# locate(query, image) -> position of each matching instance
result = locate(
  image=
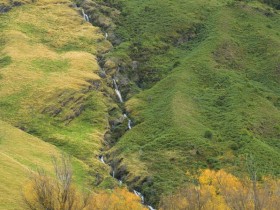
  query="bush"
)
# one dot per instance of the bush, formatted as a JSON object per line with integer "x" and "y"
{"x": 208, "y": 134}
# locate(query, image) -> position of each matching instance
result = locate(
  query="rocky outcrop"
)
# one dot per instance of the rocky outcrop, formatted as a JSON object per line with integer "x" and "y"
{"x": 6, "y": 7}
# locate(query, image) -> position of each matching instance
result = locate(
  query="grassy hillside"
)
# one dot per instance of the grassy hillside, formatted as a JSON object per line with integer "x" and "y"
{"x": 49, "y": 82}
{"x": 201, "y": 81}
{"x": 21, "y": 153}
{"x": 218, "y": 96}
{"x": 50, "y": 88}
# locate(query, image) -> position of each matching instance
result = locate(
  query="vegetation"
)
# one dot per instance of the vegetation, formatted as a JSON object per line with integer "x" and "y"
{"x": 50, "y": 87}
{"x": 20, "y": 154}
{"x": 201, "y": 84}
{"x": 51, "y": 90}
{"x": 208, "y": 89}
{"x": 220, "y": 190}
{"x": 45, "y": 192}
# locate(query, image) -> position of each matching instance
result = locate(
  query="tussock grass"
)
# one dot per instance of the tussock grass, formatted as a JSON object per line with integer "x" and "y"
{"x": 50, "y": 87}
{"x": 20, "y": 154}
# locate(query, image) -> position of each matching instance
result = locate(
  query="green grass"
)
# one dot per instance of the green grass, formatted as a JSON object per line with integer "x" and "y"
{"x": 207, "y": 87}
{"x": 5, "y": 61}
{"x": 50, "y": 65}
{"x": 52, "y": 91}
{"x": 205, "y": 67}
{"x": 21, "y": 153}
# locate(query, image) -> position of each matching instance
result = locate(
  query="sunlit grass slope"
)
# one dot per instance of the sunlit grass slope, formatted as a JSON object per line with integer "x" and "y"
{"x": 20, "y": 154}
{"x": 49, "y": 83}
{"x": 219, "y": 97}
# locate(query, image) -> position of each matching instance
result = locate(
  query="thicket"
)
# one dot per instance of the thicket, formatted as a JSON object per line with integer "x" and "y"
{"x": 44, "y": 192}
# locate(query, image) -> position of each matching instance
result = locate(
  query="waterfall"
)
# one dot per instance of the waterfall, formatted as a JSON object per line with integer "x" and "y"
{"x": 85, "y": 16}
{"x": 117, "y": 91}
{"x": 102, "y": 159}
{"x": 139, "y": 195}
{"x": 129, "y": 124}
{"x": 119, "y": 95}
{"x": 115, "y": 84}
{"x": 129, "y": 121}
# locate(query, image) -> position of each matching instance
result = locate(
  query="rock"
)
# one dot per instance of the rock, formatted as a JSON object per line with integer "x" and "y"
{"x": 108, "y": 137}
{"x": 134, "y": 65}
{"x": 115, "y": 122}
{"x": 17, "y": 3}
{"x": 4, "y": 8}
{"x": 122, "y": 171}
{"x": 102, "y": 74}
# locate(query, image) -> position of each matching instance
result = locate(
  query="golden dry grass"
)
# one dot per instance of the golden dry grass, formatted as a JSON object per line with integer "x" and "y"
{"x": 58, "y": 25}
{"x": 52, "y": 49}
{"x": 19, "y": 154}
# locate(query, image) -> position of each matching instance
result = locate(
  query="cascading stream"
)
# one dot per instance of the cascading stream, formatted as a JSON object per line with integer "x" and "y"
{"x": 151, "y": 208}
{"x": 86, "y": 18}
{"x": 129, "y": 124}
{"x": 139, "y": 195}
{"x": 102, "y": 159}
{"x": 118, "y": 93}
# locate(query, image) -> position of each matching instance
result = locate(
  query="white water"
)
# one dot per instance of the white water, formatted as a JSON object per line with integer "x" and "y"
{"x": 102, "y": 159}
{"x": 129, "y": 124}
{"x": 139, "y": 195}
{"x": 85, "y": 16}
{"x": 151, "y": 208}
{"x": 117, "y": 91}
{"x": 119, "y": 95}
{"x": 115, "y": 84}
{"x": 135, "y": 192}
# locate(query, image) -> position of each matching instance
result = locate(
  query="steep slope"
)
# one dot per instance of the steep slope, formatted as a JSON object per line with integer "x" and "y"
{"x": 200, "y": 81}
{"x": 21, "y": 153}
{"x": 49, "y": 78}
{"x": 217, "y": 99}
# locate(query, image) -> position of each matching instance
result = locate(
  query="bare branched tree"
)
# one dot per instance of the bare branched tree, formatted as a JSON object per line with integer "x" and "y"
{"x": 253, "y": 173}
{"x": 53, "y": 193}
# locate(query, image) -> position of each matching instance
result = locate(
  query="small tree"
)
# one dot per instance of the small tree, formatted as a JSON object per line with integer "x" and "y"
{"x": 44, "y": 192}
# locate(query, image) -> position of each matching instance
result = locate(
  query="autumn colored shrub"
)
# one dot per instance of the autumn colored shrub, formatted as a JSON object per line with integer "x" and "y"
{"x": 221, "y": 190}
{"x": 44, "y": 192}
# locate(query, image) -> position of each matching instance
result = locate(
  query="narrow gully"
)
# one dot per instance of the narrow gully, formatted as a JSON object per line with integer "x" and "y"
{"x": 129, "y": 125}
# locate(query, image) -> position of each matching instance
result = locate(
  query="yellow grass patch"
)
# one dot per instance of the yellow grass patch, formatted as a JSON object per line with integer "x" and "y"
{"x": 19, "y": 154}
{"x": 51, "y": 49}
